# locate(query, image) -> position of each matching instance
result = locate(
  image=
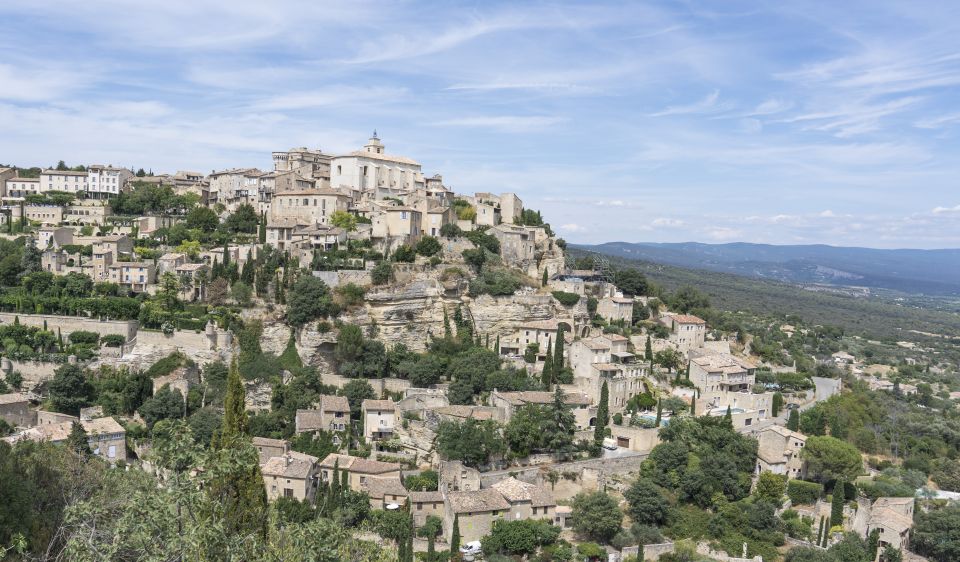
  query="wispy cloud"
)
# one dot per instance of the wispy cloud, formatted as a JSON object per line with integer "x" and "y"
{"x": 708, "y": 104}
{"x": 938, "y": 121}
{"x": 515, "y": 123}
{"x": 946, "y": 210}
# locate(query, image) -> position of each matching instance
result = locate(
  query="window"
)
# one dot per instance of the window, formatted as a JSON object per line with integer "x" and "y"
{"x": 112, "y": 451}
{"x": 287, "y": 493}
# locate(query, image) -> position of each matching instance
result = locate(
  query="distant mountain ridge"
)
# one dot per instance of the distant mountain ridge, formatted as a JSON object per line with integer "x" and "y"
{"x": 934, "y": 272}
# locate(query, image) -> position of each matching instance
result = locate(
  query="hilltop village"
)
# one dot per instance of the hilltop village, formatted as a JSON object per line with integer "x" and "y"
{"x": 343, "y": 358}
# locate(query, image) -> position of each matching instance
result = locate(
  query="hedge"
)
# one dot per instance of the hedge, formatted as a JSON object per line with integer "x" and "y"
{"x": 565, "y": 298}
{"x": 803, "y": 492}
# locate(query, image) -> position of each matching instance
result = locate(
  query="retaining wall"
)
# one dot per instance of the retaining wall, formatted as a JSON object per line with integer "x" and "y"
{"x": 67, "y": 324}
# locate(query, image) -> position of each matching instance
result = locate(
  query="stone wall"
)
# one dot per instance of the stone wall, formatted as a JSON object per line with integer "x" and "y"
{"x": 67, "y": 324}
{"x": 534, "y": 474}
{"x": 342, "y": 277}
{"x": 34, "y": 373}
{"x": 183, "y": 340}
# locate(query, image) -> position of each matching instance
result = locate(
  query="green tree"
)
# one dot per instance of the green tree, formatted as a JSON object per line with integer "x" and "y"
{"x": 771, "y": 487}
{"x": 596, "y": 516}
{"x": 356, "y": 392}
{"x": 836, "y": 505}
{"x": 558, "y": 359}
{"x": 235, "y": 481}
{"x": 473, "y": 442}
{"x": 166, "y": 404}
{"x": 936, "y": 533}
{"x": 344, "y": 220}
{"x": 70, "y": 390}
{"x": 647, "y": 505}
{"x": 309, "y": 299}
{"x": 648, "y": 350}
{"x": 777, "y": 404}
{"x": 428, "y": 246}
{"x": 793, "y": 421}
{"x": 603, "y": 415}
{"x": 77, "y": 440}
{"x": 290, "y": 358}
{"x": 455, "y": 538}
{"x": 829, "y": 458}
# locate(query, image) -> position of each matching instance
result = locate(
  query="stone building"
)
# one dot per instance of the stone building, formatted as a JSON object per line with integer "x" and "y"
{"x": 779, "y": 452}
{"x": 509, "y": 499}
{"x": 291, "y": 475}
{"x": 358, "y": 469}
{"x": 373, "y": 170}
{"x": 686, "y": 330}
{"x": 379, "y": 419}
{"x": 332, "y": 413}
{"x": 15, "y": 410}
{"x": 605, "y": 359}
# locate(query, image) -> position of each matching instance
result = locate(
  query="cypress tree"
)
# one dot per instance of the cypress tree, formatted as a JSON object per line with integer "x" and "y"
{"x": 546, "y": 377}
{"x": 793, "y": 421}
{"x": 486, "y": 343}
{"x": 263, "y": 227}
{"x": 497, "y": 345}
{"x": 728, "y": 417}
{"x": 543, "y": 283}
{"x": 447, "y": 332}
{"x": 820, "y": 540}
{"x": 603, "y": 415}
{"x": 236, "y": 484}
{"x": 226, "y": 254}
{"x": 335, "y": 485}
{"x": 659, "y": 412}
{"x": 344, "y": 484}
{"x": 693, "y": 405}
{"x": 648, "y": 350}
{"x": 77, "y": 440}
{"x": 777, "y": 404}
{"x": 455, "y": 539}
{"x": 836, "y": 507}
{"x": 688, "y": 371}
{"x": 558, "y": 361}
{"x": 431, "y": 548}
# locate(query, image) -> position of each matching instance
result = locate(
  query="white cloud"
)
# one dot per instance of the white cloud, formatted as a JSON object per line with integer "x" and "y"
{"x": 667, "y": 223}
{"x": 515, "y": 123}
{"x": 329, "y": 96}
{"x": 827, "y": 214}
{"x": 937, "y": 122}
{"x": 946, "y": 210}
{"x": 572, "y": 228}
{"x": 706, "y": 105}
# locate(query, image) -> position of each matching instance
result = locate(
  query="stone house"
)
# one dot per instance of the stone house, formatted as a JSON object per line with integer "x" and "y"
{"x": 541, "y": 332}
{"x": 292, "y": 475}
{"x": 425, "y": 504}
{"x": 720, "y": 373}
{"x": 457, "y": 477}
{"x": 15, "y": 410}
{"x": 169, "y": 262}
{"x": 510, "y": 401}
{"x": 359, "y": 469}
{"x": 384, "y": 491}
{"x": 509, "y": 499}
{"x": 617, "y": 308}
{"x": 379, "y": 418}
{"x": 134, "y": 275}
{"x": 779, "y": 452}
{"x": 332, "y": 413}
{"x": 309, "y": 206}
{"x": 894, "y": 518}
{"x": 53, "y": 237}
{"x": 373, "y": 170}
{"x": 268, "y": 448}
{"x": 517, "y": 245}
{"x": 399, "y": 222}
{"x": 605, "y": 359}
{"x": 105, "y": 436}
{"x": 436, "y": 218}
{"x": 686, "y": 331}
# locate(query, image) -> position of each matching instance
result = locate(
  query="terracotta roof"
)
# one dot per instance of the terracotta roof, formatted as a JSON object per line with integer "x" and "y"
{"x": 359, "y": 465}
{"x": 477, "y": 501}
{"x": 516, "y": 491}
{"x": 331, "y": 403}
{"x": 722, "y": 362}
{"x": 378, "y": 405}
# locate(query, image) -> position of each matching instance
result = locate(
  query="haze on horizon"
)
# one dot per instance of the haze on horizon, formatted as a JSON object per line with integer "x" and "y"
{"x": 783, "y": 123}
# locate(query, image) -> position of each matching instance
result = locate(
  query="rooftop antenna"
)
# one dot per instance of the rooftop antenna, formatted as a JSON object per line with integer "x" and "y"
{"x": 374, "y": 133}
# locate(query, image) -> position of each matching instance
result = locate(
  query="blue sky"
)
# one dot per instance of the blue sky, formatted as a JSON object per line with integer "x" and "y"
{"x": 779, "y": 122}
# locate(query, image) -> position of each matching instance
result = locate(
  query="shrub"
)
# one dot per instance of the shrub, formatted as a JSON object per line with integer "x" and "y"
{"x": 484, "y": 241}
{"x": 350, "y": 294}
{"x": 803, "y": 492}
{"x": 381, "y": 273}
{"x": 495, "y": 282}
{"x": 565, "y": 298}
{"x": 428, "y": 246}
{"x": 113, "y": 340}
{"x": 404, "y": 254}
{"x": 450, "y": 230}
{"x": 84, "y": 337}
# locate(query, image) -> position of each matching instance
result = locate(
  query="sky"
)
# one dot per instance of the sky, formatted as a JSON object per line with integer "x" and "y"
{"x": 775, "y": 122}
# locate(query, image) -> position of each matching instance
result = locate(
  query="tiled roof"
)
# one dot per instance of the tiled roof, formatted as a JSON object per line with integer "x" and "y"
{"x": 688, "y": 319}
{"x": 13, "y": 398}
{"x": 331, "y": 403}
{"x": 543, "y": 397}
{"x": 380, "y": 486}
{"x": 290, "y": 465}
{"x": 383, "y": 157}
{"x": 477, "y": 501}
{"x": 722, "y": 362}
{"x": 102, "y": 425}
{"x": 359, "y": 465}
{"x": 516, "y": 491}
{"x": 426, "y": 497}
{"x": 379, "y": 405}
{"x": 267, "y": 442}
{"x": 480, "y": 413}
